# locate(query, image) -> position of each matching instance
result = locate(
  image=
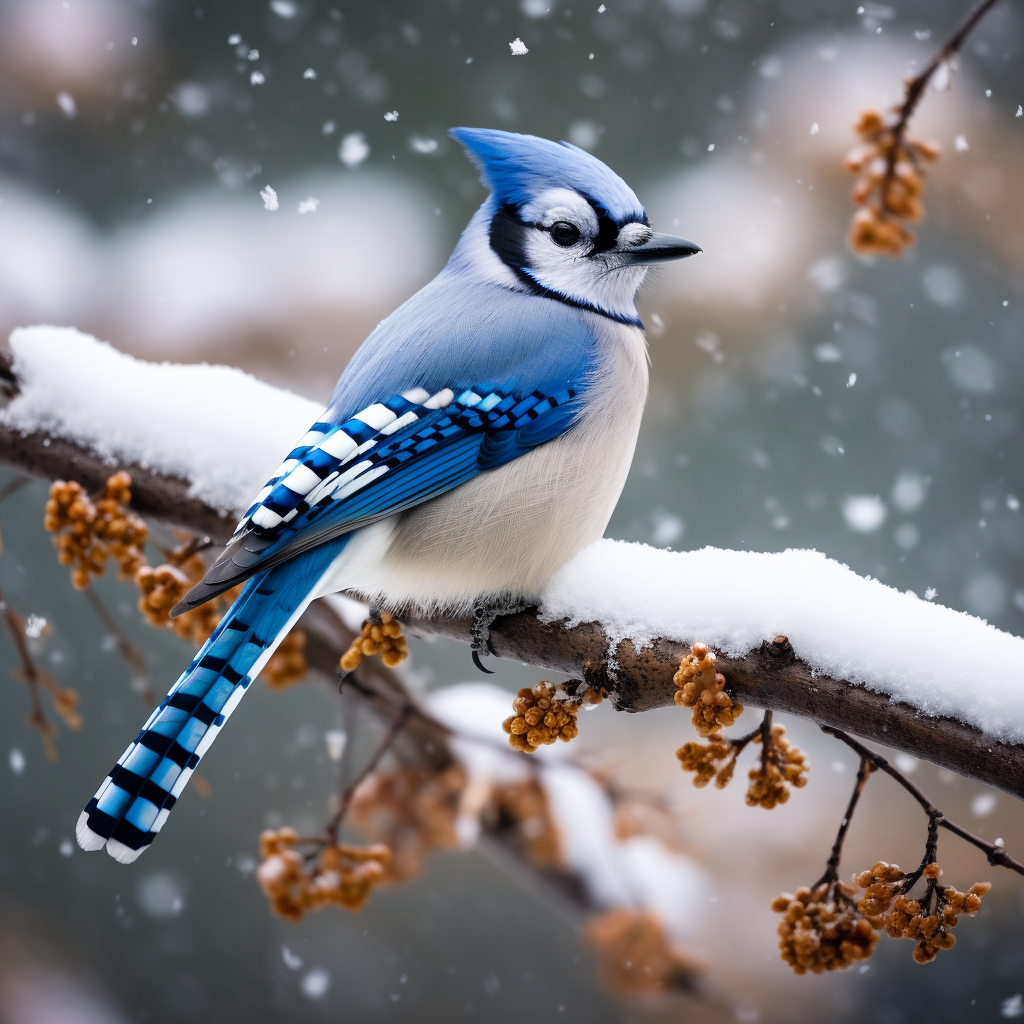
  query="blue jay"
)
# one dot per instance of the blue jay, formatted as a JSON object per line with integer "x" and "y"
{"x": 478, "y": 439}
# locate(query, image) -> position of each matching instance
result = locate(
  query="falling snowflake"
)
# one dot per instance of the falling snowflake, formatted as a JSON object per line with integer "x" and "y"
{"x": 309, "y": 205}
{"x": 518, "y": 47}
{"x": 353, "y": 149}
{"x": 418, "y": 144}
{"x": 66, "y": 102}
{"x": 269, "y": 197}
{"x": 1020, "y": 111}
{"x": 391, "y": 115}
{"x": 309, "y": 73}
{"x": 284, "y": 8}
{"x": 814, "y": 128}
{"x": 960, "y": 144}
{"x": 257, "y": 78}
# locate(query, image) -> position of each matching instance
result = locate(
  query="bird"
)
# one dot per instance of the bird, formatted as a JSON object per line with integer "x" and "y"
{"x": 476, "y": 441}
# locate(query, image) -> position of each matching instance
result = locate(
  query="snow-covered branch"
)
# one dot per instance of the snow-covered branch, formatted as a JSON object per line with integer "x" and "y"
{"x": 794, "y": 631}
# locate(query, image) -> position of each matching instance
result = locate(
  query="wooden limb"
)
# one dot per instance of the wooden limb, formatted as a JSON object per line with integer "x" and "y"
{"x": 770, "y": 677}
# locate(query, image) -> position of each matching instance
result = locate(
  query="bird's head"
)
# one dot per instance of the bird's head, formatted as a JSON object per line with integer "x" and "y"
{"x": 560, "y": 223}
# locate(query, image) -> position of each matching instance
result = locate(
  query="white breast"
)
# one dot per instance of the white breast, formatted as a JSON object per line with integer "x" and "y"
{"x": 509, "y": 530}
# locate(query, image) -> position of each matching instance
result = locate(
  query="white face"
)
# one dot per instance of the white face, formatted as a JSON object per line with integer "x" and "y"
{"x": 565, "y": 251}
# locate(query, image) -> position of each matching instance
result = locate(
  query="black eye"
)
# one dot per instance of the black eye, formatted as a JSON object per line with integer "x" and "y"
{"x": 564, "y": 233}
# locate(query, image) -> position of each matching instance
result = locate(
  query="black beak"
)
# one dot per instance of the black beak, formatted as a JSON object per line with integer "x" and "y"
{"x": 659, "y": 249}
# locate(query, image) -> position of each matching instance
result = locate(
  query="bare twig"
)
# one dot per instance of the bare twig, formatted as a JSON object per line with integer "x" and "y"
{"x": 31, "y": 675}
{"x": 346, "y": 798}
{"x": 832, "y": 867}
{"x": 135, "y": 659}
{"x": 12, "y": 486}
{"x": 997, "y": 855}
{"x": 917, "y": 85}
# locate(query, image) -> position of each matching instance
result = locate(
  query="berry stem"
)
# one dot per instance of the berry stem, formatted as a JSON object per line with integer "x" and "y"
{"x": 997, "y": 855}
{"x": 766, "y": 739}
{"x": 346, "y": 798}
{"x": 832, "y": 867}
{"x": 916, "y": 87}
{"x": 37, "y": 719}
{"x": 131, "y": 654}
{"x": 764, "y": 730}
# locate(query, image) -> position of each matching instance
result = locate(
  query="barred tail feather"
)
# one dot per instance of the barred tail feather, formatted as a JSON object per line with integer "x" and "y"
{"x": 136, "y": 797}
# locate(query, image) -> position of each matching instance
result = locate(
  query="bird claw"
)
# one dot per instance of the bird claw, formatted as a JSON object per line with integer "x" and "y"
{"x": 484, "y": 616}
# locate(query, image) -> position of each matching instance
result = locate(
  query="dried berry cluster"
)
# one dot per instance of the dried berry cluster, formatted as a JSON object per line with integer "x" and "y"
{"x": 822, "y": 930}
{"x": 413, "y": 811}
{"x": 890, "y": 186}
{"x": 702, "y": 688}
{"x": 339, "y": 875}
{"x": 637, "y": 958}
{"x": 542, "y": 715}
{"x": 714, "y": 760}
{"x": 383, "y": 638}
{"x": 91, "y": 531}
{"x": 163, "y": 586}
{"x": 825, "y": 930}
{"x": 928, "y": 920}
{"x": 781, "y": 765}
{"x": 524, "y": 806}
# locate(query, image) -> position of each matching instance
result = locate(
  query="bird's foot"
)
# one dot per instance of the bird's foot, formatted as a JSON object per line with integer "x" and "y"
{"x": 484, "y": 616}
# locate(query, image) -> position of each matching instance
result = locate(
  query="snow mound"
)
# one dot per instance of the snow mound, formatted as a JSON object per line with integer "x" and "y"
{"x": 216, "y": 426}
{"x": 942, "y": 661}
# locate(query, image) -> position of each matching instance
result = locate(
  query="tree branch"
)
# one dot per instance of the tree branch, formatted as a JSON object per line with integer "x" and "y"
{"x": 771, "y": 677}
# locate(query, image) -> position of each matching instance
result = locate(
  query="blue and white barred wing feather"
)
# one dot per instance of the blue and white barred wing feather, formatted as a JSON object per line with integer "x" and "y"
{"x": 391, "y": 456}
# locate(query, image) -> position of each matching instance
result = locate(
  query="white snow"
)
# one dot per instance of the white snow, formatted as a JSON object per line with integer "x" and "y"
{"x": 864, "y": 513}
{"x": 353, "y": 149}
{"x": 221, "y": 428}
{"x": 269, "y": 197}
{"x": 518, "y": 47}
{"x": 67, "y": 104}
{"x": 942, "y": 661}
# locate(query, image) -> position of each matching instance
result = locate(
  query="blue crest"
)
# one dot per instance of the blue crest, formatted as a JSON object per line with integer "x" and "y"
{"x": 517, "y": 168}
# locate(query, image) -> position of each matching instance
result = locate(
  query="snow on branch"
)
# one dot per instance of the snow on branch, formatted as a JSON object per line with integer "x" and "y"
{"x": 794, "y": 631}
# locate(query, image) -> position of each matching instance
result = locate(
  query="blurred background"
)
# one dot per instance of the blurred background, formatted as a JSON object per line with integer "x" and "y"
{"x": 800, "y": 397}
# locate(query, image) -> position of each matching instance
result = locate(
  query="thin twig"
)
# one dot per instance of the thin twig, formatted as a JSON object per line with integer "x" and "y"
{"x": 131, "y": 654}
{"x": 766, "y": 739}
{"x": 37, "y": 719}
{"x": 832, "y": 867}
{"x": 385, "y": 745}
{"x": 997, "y": 855}
{"x": 917, "y": 85}
{"x": 13, "y": 485}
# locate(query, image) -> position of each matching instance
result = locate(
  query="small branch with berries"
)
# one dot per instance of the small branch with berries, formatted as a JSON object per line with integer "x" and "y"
{"x": 891, "y": 164}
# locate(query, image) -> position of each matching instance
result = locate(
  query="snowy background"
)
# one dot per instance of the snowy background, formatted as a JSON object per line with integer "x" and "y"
{"x": 800, "y": 398}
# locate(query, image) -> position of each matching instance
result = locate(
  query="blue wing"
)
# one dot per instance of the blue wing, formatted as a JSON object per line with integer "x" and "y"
{"x": 390, "y": 457}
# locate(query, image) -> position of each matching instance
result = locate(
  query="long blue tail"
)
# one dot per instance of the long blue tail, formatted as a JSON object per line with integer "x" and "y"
{"x": 137, "y": 796}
